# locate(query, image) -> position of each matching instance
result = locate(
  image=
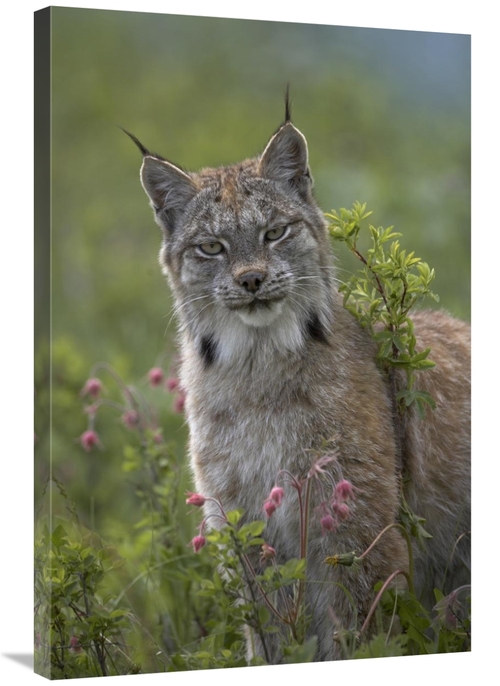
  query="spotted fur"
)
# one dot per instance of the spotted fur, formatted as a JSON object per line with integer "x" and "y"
{"x": 274, "y": 373}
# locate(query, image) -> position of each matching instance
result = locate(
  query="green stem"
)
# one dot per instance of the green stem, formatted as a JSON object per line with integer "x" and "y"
{"x": 304, "y": 525}
{"x": 248, "y": 566}
{"x": 380, "y": 594}
{"x": 395, "y": 525}
{"x": 244, "y": 563}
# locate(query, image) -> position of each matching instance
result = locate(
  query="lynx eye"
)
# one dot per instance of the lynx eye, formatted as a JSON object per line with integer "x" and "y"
{"x": 274, "y": 234}
{"x": 211, "y": 248}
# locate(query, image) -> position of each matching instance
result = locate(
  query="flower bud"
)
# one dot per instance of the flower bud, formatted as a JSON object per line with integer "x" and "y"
{"x": 158, "y": 436}
{"x": 92, "y": 387}
{"x": 155, "y": 376}
{"x": 195, "y": 499}
{"x": 346, "y": 559}
{"x": 91, "y": 410}
{"x": 327, "y": 524}
{"x": 131, "y": 419}
{"x": 268, "y": 552}
{"x": 343, "y": 490}
{"x": 277, "y": 495}
{"x": 89, "y": 439}
{"x": 341, "y": 510}
{"x": 74, "y": 645}
{"x": 269, "y": 507}
{"x": 180, "y": 403}
{"x": 171, "y": 384}
{"x": 198, "y": 542}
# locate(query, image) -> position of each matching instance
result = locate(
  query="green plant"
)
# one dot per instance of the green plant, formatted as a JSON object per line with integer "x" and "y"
{"x": 381, "y": 295}
{"x": 147, "y": 603}
{"x": 79, "y": 629}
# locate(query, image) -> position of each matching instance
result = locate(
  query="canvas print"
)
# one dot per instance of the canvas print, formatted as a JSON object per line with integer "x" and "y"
{"x": 252, "y": 355}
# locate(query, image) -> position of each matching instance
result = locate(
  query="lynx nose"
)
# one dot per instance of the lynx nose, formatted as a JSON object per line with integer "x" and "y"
{"x": 251, "y": 281}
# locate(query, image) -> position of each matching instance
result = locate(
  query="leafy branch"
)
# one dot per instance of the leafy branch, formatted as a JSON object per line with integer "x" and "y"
{"x": 382, "y": 293}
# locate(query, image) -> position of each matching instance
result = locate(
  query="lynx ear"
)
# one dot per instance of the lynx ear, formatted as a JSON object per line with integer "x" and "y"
{"x": 285, "y": 160}
{"x": 168, "y": 187}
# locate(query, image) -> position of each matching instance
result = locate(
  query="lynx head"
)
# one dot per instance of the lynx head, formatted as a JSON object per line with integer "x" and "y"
{"x": 245, "y": 249}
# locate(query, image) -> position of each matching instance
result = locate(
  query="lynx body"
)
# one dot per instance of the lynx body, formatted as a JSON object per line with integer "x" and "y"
{"x": 274, "y": 368}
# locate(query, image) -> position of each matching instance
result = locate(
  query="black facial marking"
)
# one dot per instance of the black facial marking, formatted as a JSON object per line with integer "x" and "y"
{"x": 315, "y": 329}
{"x": 208, "y": 350}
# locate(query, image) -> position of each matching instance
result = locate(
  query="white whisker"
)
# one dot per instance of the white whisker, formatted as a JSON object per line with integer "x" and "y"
{"x": 178, "y": 307}
{"x": 187, "y": 323}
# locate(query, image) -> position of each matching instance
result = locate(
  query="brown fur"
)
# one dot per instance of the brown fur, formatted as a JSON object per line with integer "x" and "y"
{"x": 273, "y": 375}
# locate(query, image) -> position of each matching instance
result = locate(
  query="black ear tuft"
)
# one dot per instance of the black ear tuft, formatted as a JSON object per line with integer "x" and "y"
{"x": 288, "y": 105}
{"x": 145, "y": 152}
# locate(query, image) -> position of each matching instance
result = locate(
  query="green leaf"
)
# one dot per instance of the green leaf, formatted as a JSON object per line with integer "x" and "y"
{"x": 263, "y": 615}
{"x": 426, "y": 397}
{"x": 302, "y": 653}
{"x": 254, "y": 528}
{"x": 421, "y": 356}
{"x": 399, "y": 343}
{"x": 423, "y": 364}
{"x": 381, "y": 646}
{"x": 234, "y": 516}
{"x": 58, "y": 537}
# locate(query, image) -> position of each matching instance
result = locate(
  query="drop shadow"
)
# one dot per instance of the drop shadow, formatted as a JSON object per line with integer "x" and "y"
{"x": 25, "y": 659}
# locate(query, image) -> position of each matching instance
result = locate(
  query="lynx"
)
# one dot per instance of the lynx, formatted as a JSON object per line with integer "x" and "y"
{"x": 274, "y": 368}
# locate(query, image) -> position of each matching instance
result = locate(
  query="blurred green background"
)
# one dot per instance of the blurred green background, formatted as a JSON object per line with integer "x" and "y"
{"x": 387, "y": 117}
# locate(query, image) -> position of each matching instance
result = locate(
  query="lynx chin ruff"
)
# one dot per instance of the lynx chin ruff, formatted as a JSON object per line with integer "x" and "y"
{"x": 273, "y": 367}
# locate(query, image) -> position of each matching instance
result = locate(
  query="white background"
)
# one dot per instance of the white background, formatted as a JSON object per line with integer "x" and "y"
{"x": 16, "y": 332}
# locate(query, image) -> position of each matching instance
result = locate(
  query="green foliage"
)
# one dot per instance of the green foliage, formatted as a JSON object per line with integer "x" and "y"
{"x": 220, "y": 105}
{"x": 382, "y": 646}
{"x": 147, "y": 602}
{"x": 262, "y": 594}
{"x": 382, "y": 293}
{"x": 413, "y": 524}
{"x": 80, "y": 630}
{"x": 419, "y": 632}
{"x": 132, "y": 491}
{"x": 381, "y": 296}
{"x": 108, "y": 296}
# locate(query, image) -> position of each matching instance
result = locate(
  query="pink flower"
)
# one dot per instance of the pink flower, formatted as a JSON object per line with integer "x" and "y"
{"x": 92, "y": 387}
{"x": 91, "y": 410}
{"x": 341, "y": 510}
{"x": 276, "y": 495}
{"x": 268, "y": 552}
{"x": 318, "y": 466}
{"x": 131, "y": 419}
{"x": 155, "y": 376}
{"x": 89, "y": 439}
{"x": 195, "y": 499}
{"x": 198, "y": 542}
{"x": 269, "y": 507}
{"x": 180, "y": 403}
{"x": 343, "y": 490}
{"x": 171, "y": 384}
{"x": 157, "y": 436}
{"x": 75, "y": 645}
{"x": 327, "y": 524}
